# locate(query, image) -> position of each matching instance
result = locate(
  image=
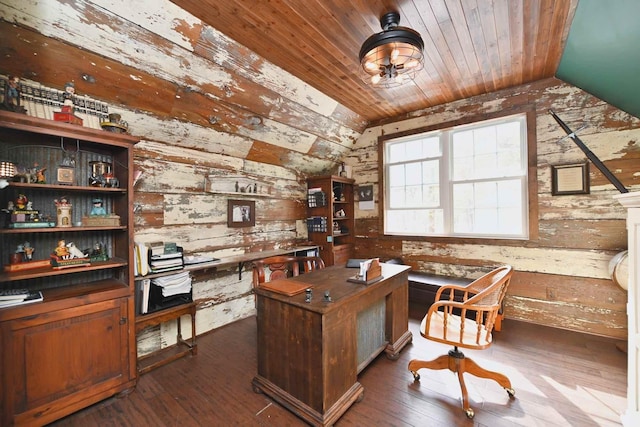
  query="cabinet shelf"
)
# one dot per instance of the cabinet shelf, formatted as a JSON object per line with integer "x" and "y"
{"x": 61, "y": 229}
{"x": 49, "y": 271}
{"x": 67, "y": 188}
{"x": 336, "y": 247}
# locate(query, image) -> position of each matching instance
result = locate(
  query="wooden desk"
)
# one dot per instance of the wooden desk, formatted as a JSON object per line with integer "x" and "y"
{"x": 310, "y": 354}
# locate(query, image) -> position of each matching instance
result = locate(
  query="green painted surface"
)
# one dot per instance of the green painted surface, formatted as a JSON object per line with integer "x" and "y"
{"x": 602, "y": 53}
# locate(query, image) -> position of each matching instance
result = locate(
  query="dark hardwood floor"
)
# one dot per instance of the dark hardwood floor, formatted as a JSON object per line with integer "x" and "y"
{"x": 561, "y": 378}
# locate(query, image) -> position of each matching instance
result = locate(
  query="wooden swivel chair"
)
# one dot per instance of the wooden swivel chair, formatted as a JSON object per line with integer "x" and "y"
{"x": 449, "y": 322}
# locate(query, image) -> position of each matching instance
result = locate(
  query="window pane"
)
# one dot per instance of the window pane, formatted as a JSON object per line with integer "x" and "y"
{"x": 396, "y": 176}
{"x": 413, "y": 173}
{"x": 431, "y": 172}
{"x": 431, "y": 196}
{"x": 414, "y": 196}
{"x": 412, "y": 222}
{"x": 397, "y": 198}
{"x": 396, "y": 152}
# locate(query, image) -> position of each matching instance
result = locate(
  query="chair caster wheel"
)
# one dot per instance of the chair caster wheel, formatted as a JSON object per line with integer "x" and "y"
{"x": 511, "y": 392}
{"x": 416, "y": 376}
{"x": 469, "y": 413}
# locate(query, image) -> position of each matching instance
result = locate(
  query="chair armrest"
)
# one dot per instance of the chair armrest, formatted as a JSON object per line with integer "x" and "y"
{"x": 452, "y": 289}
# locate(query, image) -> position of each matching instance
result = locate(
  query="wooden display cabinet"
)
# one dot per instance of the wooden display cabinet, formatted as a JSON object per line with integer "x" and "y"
{"x": 77, "y": 346}
{"x": 330, "y": 219}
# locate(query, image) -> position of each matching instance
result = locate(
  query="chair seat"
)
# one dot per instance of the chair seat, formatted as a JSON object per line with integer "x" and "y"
{"x": 436, "y": 331}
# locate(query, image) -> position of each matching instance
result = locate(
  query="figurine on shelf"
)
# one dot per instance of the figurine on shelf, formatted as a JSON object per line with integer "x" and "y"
{"x": 69, "y": 93}
{"x": 39, "y": 173}
{"x": 98, "y": 209}
{"x": 63, "y": 212}
{"x": 98, "y": 253}
{"x": 21, "y": 202}
{"x": 11, "y": 100}
{"x": 28, "y": 251}
{"x": 61, "y": 250}
{"x": 63, "y": 201}
{"x": 74, "y": 252}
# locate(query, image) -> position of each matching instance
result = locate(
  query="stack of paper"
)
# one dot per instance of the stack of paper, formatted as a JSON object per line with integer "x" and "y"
{"x": 174, "y": 284}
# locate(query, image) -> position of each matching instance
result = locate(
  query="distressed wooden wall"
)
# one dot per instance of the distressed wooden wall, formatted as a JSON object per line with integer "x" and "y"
{"x": 202, "y": 104}
{"x": 561, "y": 277}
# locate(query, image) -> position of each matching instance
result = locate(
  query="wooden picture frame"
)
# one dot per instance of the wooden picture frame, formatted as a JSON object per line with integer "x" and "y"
{"x": 241, "y": 213}
{"x": 570, "y": 179}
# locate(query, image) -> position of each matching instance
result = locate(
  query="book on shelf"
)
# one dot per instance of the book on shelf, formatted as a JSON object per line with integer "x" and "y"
{"x": 166, "y": 261}
{"x": 32, "y": 296}
{"x": 11, "y": 294}
{"x": 144, "y": 285}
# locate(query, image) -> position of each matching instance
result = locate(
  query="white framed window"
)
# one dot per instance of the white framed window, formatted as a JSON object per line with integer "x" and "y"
{"x": 464, "y": 181}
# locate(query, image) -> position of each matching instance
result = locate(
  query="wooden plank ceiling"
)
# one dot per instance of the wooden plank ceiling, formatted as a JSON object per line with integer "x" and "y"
{"x": 472, "y": 47}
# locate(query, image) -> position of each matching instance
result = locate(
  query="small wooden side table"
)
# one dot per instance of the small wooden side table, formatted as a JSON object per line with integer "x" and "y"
{"x": 169, "y": 354}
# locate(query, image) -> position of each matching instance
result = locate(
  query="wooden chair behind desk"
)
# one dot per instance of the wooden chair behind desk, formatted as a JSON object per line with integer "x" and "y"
{"x": 281, "y": 267}
{"x": 275, "y": 267}
{"x": 311, "y": 263}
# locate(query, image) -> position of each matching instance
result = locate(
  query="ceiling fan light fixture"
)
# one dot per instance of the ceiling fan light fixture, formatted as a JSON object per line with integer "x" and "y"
{"x": 393, "y": 56}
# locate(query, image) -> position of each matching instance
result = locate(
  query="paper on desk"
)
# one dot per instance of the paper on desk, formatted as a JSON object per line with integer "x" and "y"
{"x": 364, "y": 267}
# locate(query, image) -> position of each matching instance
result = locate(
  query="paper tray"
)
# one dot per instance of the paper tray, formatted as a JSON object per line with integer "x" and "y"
{"x": 287, "y": 287}
{"x": 355, "y": 279}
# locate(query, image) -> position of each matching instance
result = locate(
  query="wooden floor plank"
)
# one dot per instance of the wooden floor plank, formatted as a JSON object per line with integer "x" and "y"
{"x": 561, "y": 378}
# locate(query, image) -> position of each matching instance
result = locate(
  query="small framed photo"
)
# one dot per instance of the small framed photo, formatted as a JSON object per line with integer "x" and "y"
{"x": 241, "y": 213}
{"x": 570, "y": 179}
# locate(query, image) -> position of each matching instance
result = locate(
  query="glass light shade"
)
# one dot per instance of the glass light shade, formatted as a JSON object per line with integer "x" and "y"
{"x": 7, "y": 169}
{"x": 392, "y": 64}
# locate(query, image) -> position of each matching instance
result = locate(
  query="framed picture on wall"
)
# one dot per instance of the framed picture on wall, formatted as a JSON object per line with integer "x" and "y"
{"x": 570, "y": 179}
{"x": 241, "y": 213}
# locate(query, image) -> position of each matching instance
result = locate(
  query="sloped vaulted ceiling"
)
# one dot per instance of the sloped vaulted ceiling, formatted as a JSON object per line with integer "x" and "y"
{"x": 602, "y": 52}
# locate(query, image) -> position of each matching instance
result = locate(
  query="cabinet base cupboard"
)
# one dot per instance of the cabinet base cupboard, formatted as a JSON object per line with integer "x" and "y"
{"x": 77, "y": 346}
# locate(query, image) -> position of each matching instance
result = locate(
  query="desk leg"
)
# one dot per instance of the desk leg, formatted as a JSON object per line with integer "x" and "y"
{"x": 393, "y": 349}
{"x": 397, "y": 321}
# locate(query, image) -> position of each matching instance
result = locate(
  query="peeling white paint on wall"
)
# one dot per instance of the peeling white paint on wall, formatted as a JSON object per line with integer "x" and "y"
{"x": 158, "y": 16}
{"x": 567, "y": 262}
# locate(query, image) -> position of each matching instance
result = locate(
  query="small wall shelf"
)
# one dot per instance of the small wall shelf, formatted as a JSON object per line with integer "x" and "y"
{"x": 237, "y": 185}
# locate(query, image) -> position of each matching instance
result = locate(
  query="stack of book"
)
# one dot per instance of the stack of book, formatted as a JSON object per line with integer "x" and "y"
{"x": 10, "y": 297}
{"x": 166, "y": 262}
{"x": 164, "y": 292}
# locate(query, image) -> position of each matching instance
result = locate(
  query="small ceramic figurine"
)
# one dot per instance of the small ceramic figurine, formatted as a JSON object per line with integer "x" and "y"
{"x": 61, "y": 250}
{"x": 11, "y": 101}
{"x": 28, "y": 251}
{"x": 97, "y": 209}
{"x": 69, "y": 92}
{"x": 40, "y": 178}
{"x": 63, "y": 201}
{"x": 74, "y": 252}
{"x": 21, "y": 202}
